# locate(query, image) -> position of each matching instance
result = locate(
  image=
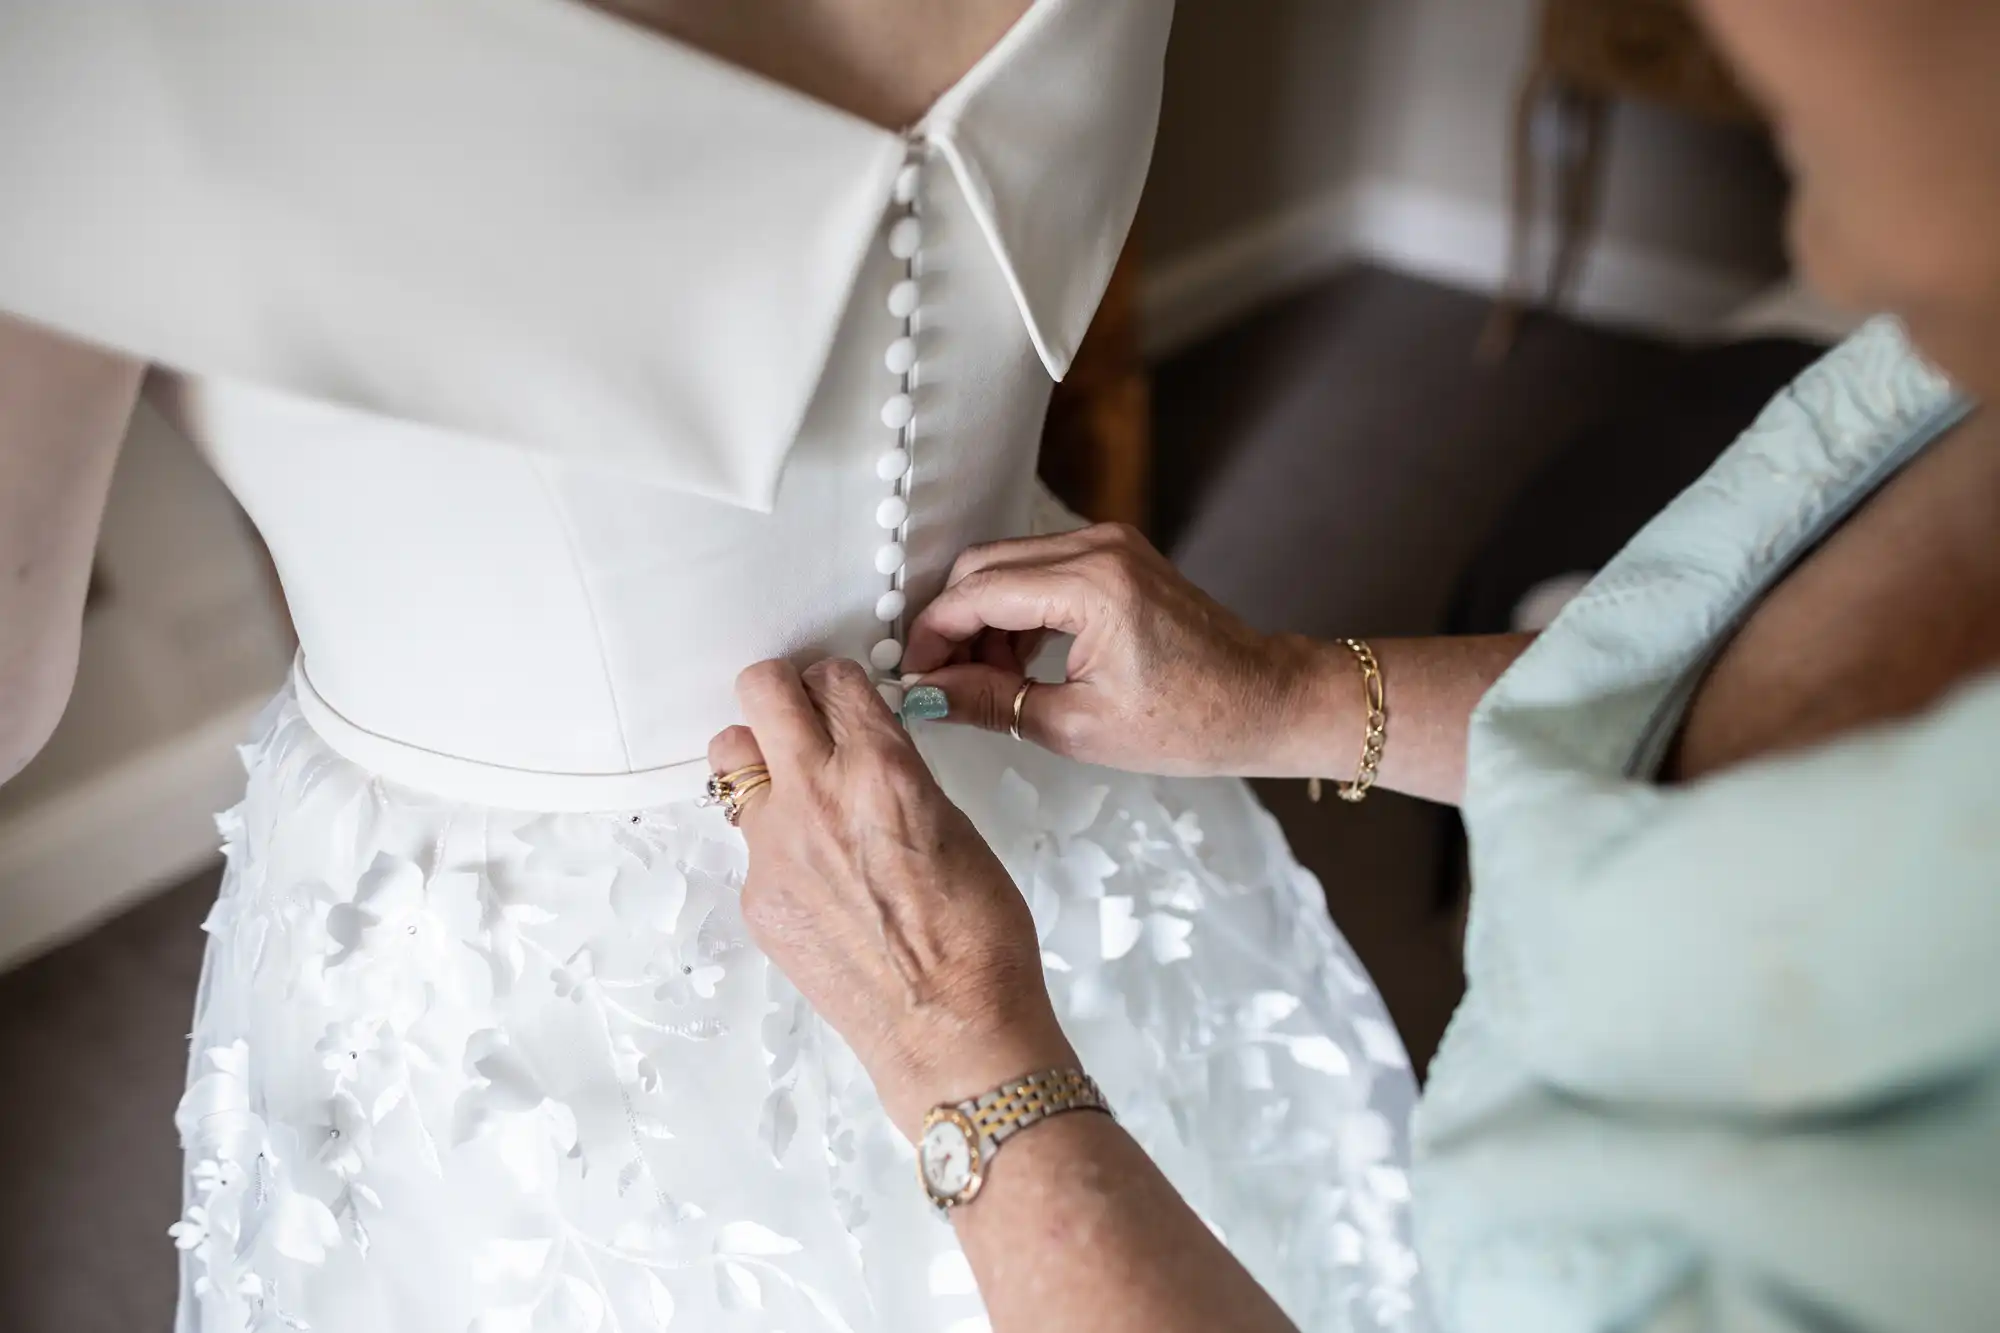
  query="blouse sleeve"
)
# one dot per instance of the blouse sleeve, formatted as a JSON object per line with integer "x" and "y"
{"x": 1805, "y": 932}
{"x": 1735, "y": 1064}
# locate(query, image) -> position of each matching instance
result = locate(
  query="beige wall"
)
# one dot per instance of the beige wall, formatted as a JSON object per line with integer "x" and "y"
{"x": 1260, "y": 114}
{"x": 1272, "y": 103}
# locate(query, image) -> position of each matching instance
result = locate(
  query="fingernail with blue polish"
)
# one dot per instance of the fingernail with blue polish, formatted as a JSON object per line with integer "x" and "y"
{"x": 925, "y": 703}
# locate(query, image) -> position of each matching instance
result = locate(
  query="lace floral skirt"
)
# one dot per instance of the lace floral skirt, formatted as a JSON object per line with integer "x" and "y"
{"x": 468, "y": 1069}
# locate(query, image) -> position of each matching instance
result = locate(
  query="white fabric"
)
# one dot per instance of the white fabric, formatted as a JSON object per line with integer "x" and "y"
{"x": 517, "y": 219}
{"x": 375, "y": 244}
{"x": 548, "y": 356}
{"x": 569, "y": 1097}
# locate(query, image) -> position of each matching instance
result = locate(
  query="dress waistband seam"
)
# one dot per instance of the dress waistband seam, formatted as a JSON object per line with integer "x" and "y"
{"x": 480, "y": 782}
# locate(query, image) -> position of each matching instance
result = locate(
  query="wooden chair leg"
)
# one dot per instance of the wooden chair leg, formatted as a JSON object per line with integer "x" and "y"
{"x": 1497, "y": 338}
{"x": 1097, "y": 446}
{"x": 1578, "y": 189}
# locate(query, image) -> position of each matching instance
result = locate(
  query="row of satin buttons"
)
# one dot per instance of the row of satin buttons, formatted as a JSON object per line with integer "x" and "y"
{"x": 899, "y": 414}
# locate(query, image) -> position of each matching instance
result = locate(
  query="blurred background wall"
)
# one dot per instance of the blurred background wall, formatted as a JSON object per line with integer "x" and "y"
{"x": 1302, "y": 134}
{"x": 183, "y": 640}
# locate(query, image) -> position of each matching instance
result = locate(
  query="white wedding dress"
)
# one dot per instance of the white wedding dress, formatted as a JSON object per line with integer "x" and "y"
{"x": 551, "y": 358}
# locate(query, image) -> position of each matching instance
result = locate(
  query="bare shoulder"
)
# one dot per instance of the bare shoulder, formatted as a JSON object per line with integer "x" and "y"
{"x": 61, "y": 401}
{"x": 883, "y": 60}
{"x": 1893, "y": 611}
{"x": 36, "y": 363}
{"x": 64, "y": 406}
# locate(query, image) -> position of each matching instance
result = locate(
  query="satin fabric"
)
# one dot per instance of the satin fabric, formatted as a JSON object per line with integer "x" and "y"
{"x": 583, "y": 328}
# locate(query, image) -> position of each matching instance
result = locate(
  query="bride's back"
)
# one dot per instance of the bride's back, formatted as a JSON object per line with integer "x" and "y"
{"x": 548, "y": 352}
{"x": 886, "y": 61}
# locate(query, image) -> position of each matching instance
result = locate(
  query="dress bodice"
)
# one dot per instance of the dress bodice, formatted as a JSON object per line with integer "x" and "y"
{"x": 548, "y": 354}
{"x": 457, "y": 600}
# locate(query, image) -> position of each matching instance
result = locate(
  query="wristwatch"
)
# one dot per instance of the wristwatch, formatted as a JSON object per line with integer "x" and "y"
{"x": 958, "y": 1141}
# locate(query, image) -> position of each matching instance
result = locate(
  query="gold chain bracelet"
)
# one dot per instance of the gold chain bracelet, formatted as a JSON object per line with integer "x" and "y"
{"x": 1377, "y": 735}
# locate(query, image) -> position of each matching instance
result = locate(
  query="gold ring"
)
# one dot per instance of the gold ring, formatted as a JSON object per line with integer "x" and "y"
{"x": 728, "y": 789}
{"x": 721, "y": 784}
{"x": 742, "y": 774}
{"x": 734, "y": 804}
{"x": 1020, "y": 701}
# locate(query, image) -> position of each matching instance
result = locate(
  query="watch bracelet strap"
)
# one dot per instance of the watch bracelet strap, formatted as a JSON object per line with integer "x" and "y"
{"x": 1018, "y": 1103}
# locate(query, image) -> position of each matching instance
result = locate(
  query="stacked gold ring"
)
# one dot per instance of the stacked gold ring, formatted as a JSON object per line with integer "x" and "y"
{"x": 1020, "y": 702}
{"x": 729, "y": 790}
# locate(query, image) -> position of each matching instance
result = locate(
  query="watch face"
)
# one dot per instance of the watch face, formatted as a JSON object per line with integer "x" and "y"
{"x": 946, "y": 1154}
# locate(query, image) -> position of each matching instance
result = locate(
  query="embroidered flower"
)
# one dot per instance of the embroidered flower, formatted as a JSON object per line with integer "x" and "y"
{"x": 215, "y": 1173}
{"x": 649, "y": 895}
{"x": 1048, "y": 854}
{"x": 342, "y": 1046}
{"x": 505, "y": 1097}
{"x": 214, "y": 1113}
{"x": 634, "y": 1065}
{"x": 685, "y": 977}
{"x": 389, "y": 916}
{"x": 292, "y": 1222}
{"x": 576, "y": 979}
{"x": 209, "y": 1236}
{"x": 510, "y": 904}
{"x": 191, "y": 1232}
{"x": 501, "y": 1080}
{"x": 1121, "y": 928}
{"x": 341, "y": 1136}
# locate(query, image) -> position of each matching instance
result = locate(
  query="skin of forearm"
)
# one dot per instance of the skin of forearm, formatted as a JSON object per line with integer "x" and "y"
{"x": 1430, "y": 687}
{"x": 63, "y": 412}
{"x": 1076, "y": 1231}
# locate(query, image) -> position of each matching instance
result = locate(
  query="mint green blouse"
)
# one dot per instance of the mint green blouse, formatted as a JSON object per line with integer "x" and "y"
{"x": 1730, "y": 1052}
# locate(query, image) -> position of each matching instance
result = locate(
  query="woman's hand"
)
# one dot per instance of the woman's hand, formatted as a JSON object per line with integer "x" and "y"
{"x": 877, "y": 897}
{"x": 1161, "y": 678}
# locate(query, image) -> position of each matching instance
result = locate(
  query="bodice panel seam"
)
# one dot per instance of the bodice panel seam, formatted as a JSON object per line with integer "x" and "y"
{"x": 561, "y": 515}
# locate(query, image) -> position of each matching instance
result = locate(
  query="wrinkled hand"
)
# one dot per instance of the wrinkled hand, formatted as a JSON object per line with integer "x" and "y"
{"x": 875, "y": 895}
{"x": 1161, "y": 678}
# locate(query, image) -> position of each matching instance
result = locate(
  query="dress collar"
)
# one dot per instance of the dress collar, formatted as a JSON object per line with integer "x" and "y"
{"x": 1051, "y": 136}
{"x": 526, "y": 220}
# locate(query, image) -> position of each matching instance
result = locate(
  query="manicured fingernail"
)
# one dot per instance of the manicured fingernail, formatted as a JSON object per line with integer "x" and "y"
{"x": 926, "y": 703}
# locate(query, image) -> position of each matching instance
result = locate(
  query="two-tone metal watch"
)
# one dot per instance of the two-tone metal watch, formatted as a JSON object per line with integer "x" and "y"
{"x": 958, "y": 1141}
